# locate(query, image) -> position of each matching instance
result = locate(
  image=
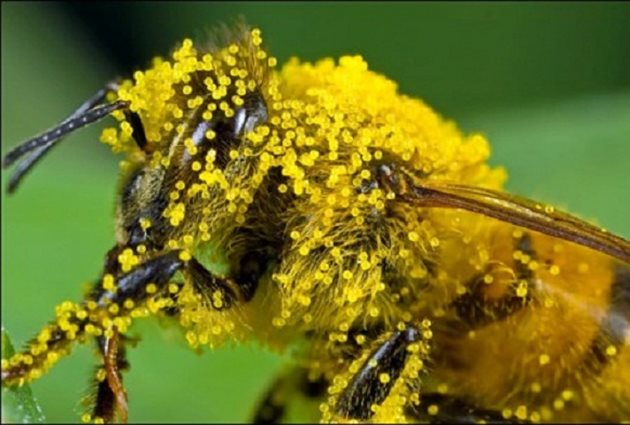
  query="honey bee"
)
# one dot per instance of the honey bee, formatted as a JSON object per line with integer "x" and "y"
{"x": 315, "y": 209}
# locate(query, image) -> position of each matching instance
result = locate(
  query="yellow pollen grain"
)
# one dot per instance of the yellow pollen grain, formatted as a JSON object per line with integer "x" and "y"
{"x": 521, "y": 291}
{"x": 109, "y": 283}
{"x": 151, "y": 288}
{"x": 433, "y": 409}
{"x": 384, "y": 378}
{"x": 521, "y": 412}
{"x": 101, "y": 375}
{"x": 611, "y": 350}
{"x": 128, "y": 260}
{"x": 113, "y": 308}
{"x": 544, "y": 359}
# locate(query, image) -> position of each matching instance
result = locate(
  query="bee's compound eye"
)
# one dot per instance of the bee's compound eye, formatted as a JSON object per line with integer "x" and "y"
{"x": 384, "y": 177}
{"x": 246, "y": 118}
{"x": 387, "y": 177}
{"x": 199, "y": 134}
{"x": 252, "y": 113}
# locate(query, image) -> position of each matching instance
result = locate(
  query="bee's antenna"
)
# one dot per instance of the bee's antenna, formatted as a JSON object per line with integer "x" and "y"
{"x": 89, "y": 112}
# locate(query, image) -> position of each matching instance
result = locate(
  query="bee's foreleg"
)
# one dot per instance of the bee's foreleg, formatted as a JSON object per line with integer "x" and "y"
{"x": 374, "y": 380}
{"x": 216, "y": 292}
{"x": 101, "y": 315}
{"x": 238, "y": 289}
{"x": 110, "y": 395}
{"x": 133, "y": 285}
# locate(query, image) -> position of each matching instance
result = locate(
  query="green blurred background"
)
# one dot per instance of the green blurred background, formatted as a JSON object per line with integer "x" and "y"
{"x": 548, "y": 83}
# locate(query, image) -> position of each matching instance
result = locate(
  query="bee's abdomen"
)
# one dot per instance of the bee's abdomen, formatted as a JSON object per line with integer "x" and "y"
{"x": 550, "y": 345}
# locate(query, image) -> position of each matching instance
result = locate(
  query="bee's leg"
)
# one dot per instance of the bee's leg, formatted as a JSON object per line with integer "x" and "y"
{"x": 92, "y": 317}
{"x": 111, "y": 397}
{"x": 239, "y": 289}
{"x": 272, "y": 408}
{"x": 216, "y": 292}
{"x": 374, "y": 380}
{"x": 132, "y": 285}
{"x": 475, "y": 311}
{"x": 444, "y": 409}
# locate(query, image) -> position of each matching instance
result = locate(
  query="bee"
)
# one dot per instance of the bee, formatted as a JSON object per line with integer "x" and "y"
{"x": 317, "y": 210}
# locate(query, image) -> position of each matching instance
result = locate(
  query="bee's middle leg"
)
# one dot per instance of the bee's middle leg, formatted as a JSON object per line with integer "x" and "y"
{"x": 368, "y": 386}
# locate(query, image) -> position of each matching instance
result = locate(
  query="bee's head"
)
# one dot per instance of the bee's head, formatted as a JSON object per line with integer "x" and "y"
{"x": 191, "y": 131}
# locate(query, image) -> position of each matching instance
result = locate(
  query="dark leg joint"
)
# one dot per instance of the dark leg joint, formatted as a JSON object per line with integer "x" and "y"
{"x": 217, "y": 293}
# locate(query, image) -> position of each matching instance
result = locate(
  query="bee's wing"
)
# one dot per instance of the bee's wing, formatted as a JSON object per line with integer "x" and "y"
{"x": 519, "y": 211}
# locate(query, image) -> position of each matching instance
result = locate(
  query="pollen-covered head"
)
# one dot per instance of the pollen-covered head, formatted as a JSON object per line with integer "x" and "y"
{"x": 184, "y": 133}
{"x": 197, "y": 85}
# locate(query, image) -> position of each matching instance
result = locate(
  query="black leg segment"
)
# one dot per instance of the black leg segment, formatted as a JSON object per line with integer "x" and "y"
{"x": 447, "y": 409}
{"x": 368, "y": 386}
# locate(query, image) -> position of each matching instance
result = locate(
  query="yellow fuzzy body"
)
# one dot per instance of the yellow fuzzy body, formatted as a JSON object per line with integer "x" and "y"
{"x": 353, "y": 258}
